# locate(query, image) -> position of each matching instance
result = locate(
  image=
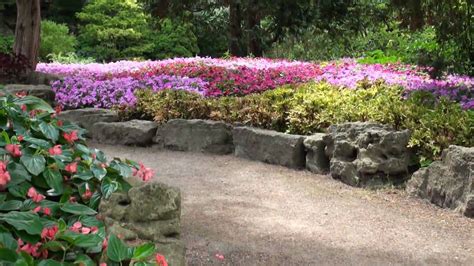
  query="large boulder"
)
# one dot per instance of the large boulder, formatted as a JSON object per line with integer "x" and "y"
{"x": 368, "y": 154}
{"x": 195, "y": 135}
{"x": 269, "y": 146}
{"x": 41, "y": 91}
{"x": 40, "y": 78}
{"x": 316, "y": 159}
{"x": 150, "y": 212}
{"x": 133, "y": 132}
{"x": 448, "y": 183}
{"x": 88, "y": 117}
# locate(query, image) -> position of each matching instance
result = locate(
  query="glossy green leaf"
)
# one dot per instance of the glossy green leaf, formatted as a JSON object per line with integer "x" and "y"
{"x": 50, "y": 131}
{"x": 144, "y": 251}
{"x": 76, "y": 208}
{"x": 27, "y": 221}
{"x": 116, "y": 250}
{"x": 35, "y": 164}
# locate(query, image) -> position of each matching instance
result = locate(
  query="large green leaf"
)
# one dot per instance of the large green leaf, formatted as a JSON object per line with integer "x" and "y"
{"x": 38, "y": 143}
{"x": 18, "y": 173}
{"x": 144, "y": 251}
{"x": 11, "y": 205}
{"x": 27, "y": 221}
{"x": 7, "y": 241}
{"x": 35, "y": 164}
{"x": 76, "y": 208}
{"x": 98, "y": 171}
{"x": 116, "y": 250}
{"x": 7, "y": 255}
{"x": 50, "y": 131}
{"x": 84, "y": 260}
{"x": 54, "y": 246}
{"x": 80, "y": 240}
{"x": 54, "y": 180}
{"x": 122, "y": 168}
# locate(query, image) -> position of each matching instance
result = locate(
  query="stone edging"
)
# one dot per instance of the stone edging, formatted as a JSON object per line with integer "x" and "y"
{"x": 359, "y": 154}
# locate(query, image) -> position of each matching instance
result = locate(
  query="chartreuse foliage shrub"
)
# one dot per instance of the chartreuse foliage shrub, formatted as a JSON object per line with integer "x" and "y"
{"x": 55, "y": 39}
{"x": 50, "y": 186}
{"x": 435, "y": 124}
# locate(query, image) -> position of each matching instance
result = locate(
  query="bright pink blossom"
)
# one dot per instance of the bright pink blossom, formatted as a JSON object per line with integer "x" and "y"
{"x": 55, "y": 150}
{"x": 160, "y": 260}
{"x": 4, "y": 175}
{"x": 34, "y": 195}
{"x": 13, "y": 149}
{"x": 71, "y": 168}
{"x": 144, "y": 173}
{"x": 71, "y": 136}
{"x": 49, "y": 233}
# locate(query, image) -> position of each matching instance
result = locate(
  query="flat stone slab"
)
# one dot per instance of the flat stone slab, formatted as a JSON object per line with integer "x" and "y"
{"x": 41, "y": 91}
{"x": 134, "y": 132}
{"x": 88, "y": 117}
{"x": 316, "y": 159}
{"x": 195, "y": 135}
{"x": 448, "y": 183}
{"x": 269, "y": 146}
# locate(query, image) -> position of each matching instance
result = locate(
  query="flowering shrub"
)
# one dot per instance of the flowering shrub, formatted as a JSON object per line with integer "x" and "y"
{"x": 104, "y": 85}
{"x": 349, "y": 74}
{"x": 50, "y": 186}
{"x": 76, "y": 92}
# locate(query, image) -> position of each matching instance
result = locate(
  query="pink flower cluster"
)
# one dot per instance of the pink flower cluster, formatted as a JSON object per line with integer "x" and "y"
{"x": 4, "y": 175}
{"x": 79, "y": 228}
{"x": 85, "y": 84}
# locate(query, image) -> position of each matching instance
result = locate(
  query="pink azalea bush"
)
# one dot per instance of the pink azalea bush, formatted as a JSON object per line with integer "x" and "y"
{"x": 51, "y": 184}
{"x": 107, "y": 85}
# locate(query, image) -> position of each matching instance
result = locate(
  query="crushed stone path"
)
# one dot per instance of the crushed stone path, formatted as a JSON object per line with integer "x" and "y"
{"x": 258, "y": 214}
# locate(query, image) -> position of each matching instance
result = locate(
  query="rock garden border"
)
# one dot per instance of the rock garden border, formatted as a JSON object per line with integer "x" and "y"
{"x": 361, "y": 154}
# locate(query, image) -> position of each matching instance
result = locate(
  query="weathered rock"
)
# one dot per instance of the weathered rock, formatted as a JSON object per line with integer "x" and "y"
{"x": 40, "y": 78}
{"x": 88, "y": 117}
{"x": 368, "y": 154}
{"x": 41, "y": 91}
{"x": 448, "y": 183}
{"x": 269, "y": 146}
{"x": 316, "y": 158}
{"x": 150, "y": 212}
{"x": 134, "y": 132}
{"x": 195, "y": 135}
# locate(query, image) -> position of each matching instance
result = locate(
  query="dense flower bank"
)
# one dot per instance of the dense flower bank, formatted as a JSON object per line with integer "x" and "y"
{"x": 105, "y": 85}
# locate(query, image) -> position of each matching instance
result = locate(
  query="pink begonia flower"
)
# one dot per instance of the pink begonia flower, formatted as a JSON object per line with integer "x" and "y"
{"x": 4, "y": 175}
{"x": 34, "y": 195}
{"x": 71, "y": 168}
{"x": 13, "y": 149}
{"x": 20, "y": 138}
{"x": 70, "y": 137}
{"x": 37, "y": 209}
{"x": 160, "y": 260}
{"x": 105, "y": 244}
{"x": 55, "y": 150}
{"x": 47, "y": 211}
{"x": 85, "y": 230}
{"x": 87, "y": 194}
{"x": 144, "y": 173}
{"x": 49, "y": 233}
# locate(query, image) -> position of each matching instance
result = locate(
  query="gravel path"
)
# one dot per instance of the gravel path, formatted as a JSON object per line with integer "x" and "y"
{"x": 258, "y": 214}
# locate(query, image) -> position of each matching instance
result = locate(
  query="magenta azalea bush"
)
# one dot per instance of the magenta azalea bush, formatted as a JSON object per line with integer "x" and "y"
{"x": 51, "y": 184}
{"x": 106, "y": 85}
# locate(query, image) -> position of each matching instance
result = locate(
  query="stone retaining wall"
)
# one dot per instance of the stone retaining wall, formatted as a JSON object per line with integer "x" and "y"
{"x": 359, "y": 154}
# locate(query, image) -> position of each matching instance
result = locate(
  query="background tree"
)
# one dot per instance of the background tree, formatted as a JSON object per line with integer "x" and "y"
{"x": 27, "y": 31}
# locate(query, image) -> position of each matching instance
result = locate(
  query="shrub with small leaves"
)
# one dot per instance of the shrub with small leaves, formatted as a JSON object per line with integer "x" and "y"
{"x": 51, "y": 184}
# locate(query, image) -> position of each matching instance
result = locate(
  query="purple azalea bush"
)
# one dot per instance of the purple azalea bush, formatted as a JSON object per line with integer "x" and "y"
{"x": 77, "y": 91}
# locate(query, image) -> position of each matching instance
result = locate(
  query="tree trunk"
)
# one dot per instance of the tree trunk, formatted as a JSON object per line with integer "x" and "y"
{"x": 235, "y": 28}
{"x": 27, "y": 31}
{"x": 253, "y": 23}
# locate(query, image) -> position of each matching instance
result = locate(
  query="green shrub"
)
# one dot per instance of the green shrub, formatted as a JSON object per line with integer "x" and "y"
{"x": 6, "y": 44}
{"x": 313, "y": 107}
{"x": 114, "y": 29}
{"x": 173, "y": 39}
{"x": 70, "y": 58}
{"x": 55, "y": 39}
